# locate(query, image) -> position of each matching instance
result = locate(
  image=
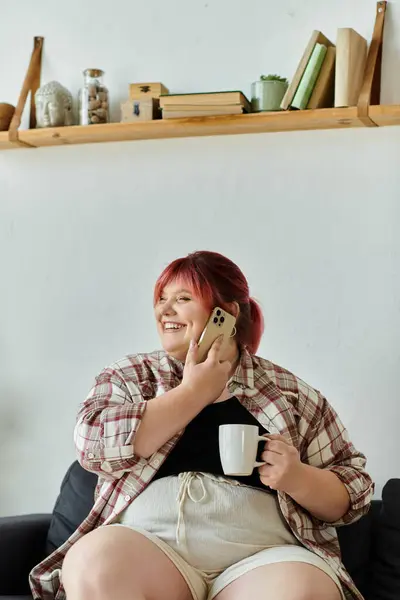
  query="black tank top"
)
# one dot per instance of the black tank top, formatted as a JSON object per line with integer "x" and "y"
{"x": 198, "y": 448}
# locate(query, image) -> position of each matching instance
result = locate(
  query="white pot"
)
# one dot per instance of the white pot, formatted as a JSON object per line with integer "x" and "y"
{"x": 267, "y": 95}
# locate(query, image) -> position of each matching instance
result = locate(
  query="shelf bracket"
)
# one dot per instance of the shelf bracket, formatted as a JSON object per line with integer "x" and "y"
{"x": 371, "y": 87}
{"x": 31, "y": 84}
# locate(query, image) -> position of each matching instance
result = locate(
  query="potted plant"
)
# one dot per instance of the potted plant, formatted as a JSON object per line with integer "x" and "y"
{"x": 267, "y": 93}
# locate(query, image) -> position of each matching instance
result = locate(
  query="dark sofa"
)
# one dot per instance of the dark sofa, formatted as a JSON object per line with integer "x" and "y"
{"x": 370, "y": 547}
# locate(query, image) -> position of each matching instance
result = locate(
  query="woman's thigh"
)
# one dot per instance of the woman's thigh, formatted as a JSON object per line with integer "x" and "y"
{"x": 282, "y": 581}
{"x": 118, "y": 563}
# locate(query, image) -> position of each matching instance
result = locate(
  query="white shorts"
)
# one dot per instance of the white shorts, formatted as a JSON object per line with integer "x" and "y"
{"x": 215, "y": 530}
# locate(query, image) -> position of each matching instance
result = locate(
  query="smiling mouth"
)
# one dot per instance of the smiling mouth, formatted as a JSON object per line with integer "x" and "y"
{"x": 173, "y": 327}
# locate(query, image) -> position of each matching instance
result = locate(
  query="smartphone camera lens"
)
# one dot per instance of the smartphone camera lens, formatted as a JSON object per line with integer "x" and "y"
{"x": 222, "y": 319}
{"x": 218, "y": 313}
{"x": 215, "y": 320}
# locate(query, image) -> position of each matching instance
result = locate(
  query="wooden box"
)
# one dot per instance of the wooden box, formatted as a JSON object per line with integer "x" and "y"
{"x": 140, "y": 109}
{"x": 149, "y": 90}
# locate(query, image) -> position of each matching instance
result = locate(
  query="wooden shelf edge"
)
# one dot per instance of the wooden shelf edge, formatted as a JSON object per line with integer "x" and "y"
{"x": 385, "y": 115}
{"x": 305, "y": 120}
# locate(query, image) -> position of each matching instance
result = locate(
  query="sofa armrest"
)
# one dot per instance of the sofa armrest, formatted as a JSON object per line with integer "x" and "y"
{"x": 22, "y": 546}
{"x": 385, "y": 564}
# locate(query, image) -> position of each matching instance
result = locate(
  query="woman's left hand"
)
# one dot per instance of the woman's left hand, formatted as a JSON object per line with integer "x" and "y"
{"x": 284, "y": 468}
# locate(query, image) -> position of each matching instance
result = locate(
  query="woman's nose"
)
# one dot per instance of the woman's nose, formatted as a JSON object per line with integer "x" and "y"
{"x": 168, "y": 309}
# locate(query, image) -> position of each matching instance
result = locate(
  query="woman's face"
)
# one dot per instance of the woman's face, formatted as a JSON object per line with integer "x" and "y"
{"x": 180, "y": 318}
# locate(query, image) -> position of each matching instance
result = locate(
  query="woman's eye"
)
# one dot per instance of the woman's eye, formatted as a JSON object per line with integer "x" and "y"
{"x": 183, "y": 299}
{"x": 161, "y": 299}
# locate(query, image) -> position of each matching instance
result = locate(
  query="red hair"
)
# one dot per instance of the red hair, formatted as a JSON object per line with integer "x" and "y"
{"x": 217, "y": 281}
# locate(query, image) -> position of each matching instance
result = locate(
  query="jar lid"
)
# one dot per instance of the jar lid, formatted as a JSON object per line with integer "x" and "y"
{"x": 93, "y": 72}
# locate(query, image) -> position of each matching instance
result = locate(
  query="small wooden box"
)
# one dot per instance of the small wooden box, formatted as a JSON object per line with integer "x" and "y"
{"x": 140, "y": 109}
{"x": 148, "y": 90}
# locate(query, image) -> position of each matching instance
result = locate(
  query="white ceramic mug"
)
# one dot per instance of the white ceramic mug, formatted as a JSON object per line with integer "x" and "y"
{"x": 238, "y": 445}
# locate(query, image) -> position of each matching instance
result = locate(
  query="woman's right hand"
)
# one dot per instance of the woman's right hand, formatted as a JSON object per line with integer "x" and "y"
{"x": 209, "y": 378}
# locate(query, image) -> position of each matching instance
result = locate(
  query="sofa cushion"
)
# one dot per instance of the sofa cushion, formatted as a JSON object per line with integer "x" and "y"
{"x": 22, "y": 546}
{"x": 377, "y": 533}
{"x": 16, "y": 597}
{"x": 385, "y": 584}
{"x": 72, "y": 506}
{"x": 355, "y": 546}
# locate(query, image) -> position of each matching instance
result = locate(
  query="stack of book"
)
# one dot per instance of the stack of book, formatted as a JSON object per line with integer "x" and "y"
{"x": 328, "y": 75}
{"x": 179, "y": 106}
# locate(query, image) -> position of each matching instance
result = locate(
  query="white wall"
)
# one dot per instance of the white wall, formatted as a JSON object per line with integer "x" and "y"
{"x": 312, "y": 218}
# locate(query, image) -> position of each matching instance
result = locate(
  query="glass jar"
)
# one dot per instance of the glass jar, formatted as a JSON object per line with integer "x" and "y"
{"x": 94, "y": 106}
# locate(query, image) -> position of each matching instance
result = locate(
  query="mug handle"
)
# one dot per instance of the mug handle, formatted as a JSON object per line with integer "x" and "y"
{"x": 260, "y": 438}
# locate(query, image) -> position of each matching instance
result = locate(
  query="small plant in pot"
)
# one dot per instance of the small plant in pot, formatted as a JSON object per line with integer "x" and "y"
{"x": 267, "y": 93}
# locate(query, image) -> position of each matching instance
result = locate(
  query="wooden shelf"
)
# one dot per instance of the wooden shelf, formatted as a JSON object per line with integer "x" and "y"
{"x": 385, "y": 115}
{"x": 367, "y": 113}
{"x": 329, "y": 118}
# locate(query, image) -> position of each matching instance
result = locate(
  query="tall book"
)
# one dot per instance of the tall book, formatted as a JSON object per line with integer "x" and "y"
{"x": 351, "y": 56}
{"x": 316, "y": 38}
{"x": 309, "y": 78}
{"x": 323, "y": 95}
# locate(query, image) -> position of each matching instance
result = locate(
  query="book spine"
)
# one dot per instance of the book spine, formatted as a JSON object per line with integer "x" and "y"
{"x": 324, "y": 90}
{"x": 350, "y": 64}
{"x": 310, "y": 77}
{"x": 342, "y": 68}
{"x": 294, "y": 84}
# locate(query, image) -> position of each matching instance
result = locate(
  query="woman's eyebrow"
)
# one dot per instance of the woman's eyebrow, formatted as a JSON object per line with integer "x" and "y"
{"x": 183, "y": 292}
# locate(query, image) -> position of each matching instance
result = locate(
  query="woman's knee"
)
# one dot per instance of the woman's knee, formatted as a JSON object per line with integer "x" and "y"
{"x": 283, "y": 581}
{"x": 313, "y": 583}
{"x": 116, "y": 562}
{"x": 87, "y": 564}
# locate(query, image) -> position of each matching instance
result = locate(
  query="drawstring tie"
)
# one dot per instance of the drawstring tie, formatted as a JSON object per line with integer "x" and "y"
{"x": 185, "y": 489}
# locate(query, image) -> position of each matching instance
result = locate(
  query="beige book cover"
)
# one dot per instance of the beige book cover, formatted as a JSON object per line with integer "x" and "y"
{"x": 351, "y": 56}
{"x": 323, "y": 95}
{"x": 228, "y": 97}
{"x": 187, "y": 114}
{"x": 202, "y": 107}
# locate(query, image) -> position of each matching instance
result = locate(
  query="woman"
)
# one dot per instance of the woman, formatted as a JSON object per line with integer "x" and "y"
{"x": 167, "y": 523}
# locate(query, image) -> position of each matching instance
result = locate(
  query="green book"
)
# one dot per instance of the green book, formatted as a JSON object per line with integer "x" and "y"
{"x": 310, "y": 76}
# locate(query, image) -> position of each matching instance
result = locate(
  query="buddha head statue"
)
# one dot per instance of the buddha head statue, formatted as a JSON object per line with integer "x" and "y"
{"x": 53, "y": 105}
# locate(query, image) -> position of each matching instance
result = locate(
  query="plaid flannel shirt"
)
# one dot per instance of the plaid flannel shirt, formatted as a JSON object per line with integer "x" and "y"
{"x": 282, "y": 403}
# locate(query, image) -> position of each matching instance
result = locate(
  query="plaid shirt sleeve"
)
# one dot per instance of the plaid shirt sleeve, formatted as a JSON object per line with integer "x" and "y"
{"x": 107, "y": 422}
{"x": 331, "y": 448}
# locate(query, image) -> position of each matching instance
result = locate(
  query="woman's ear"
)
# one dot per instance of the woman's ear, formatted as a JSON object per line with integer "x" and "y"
{"x": 234, "y": 309}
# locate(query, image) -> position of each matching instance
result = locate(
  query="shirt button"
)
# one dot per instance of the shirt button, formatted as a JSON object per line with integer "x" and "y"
{"x": 156, "y": 462}
{"x": 90, "y": 455}
{"x": 127, "y": 498}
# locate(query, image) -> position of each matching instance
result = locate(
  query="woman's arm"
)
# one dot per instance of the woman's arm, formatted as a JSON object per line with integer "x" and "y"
{"x": 168, "y": 414}
{"x": 165, "y": 416}
{"x": 116, "y": 427}
{"x": 329, "y": 478}
{"x": 322, "y": 493}
{"x": 317, "y": 490}
{"x": 107, "y": 422}
{"x": 331, "y": 450}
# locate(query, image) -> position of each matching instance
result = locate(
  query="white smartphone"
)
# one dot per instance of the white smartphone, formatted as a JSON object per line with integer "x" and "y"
{"x": 219, "y": 323}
